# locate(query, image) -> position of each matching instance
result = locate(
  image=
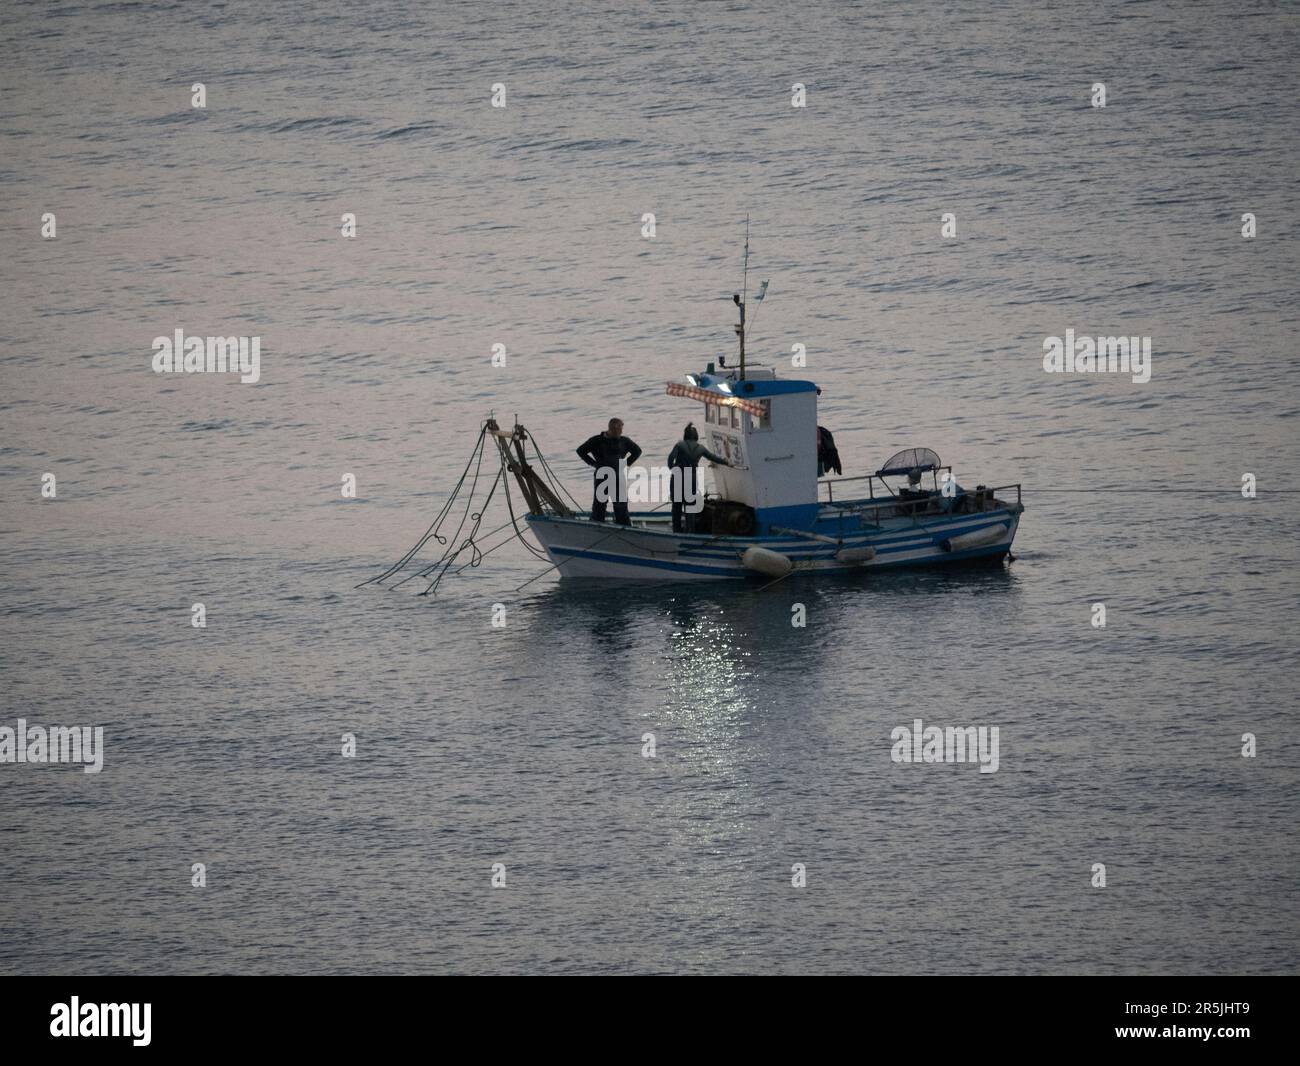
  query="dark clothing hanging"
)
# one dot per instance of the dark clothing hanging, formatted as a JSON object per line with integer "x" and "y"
{"x": 828, "y": 458}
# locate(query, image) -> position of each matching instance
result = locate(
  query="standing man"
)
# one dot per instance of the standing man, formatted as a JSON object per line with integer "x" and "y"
{"x": 686, "y": 456}
{"x": 606, "y": 452}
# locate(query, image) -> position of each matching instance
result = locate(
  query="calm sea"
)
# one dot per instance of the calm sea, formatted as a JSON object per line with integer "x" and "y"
{"x": 522, "y": 744}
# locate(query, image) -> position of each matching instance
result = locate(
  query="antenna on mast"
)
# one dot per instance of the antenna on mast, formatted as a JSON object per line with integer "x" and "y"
{"x": 740, "y": 302}
{"x": 744, "y": 281}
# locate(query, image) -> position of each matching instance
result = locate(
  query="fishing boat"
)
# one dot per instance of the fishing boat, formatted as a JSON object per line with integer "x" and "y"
{"x": 766, "y": 516}
{"x": 770, "y": 514}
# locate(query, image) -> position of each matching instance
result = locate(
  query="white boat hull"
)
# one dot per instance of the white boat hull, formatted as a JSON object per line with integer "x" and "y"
{"x": 648, "y": 550}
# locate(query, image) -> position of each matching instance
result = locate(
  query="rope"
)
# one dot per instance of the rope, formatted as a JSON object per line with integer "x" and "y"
{"x": 469, "y": 542}
{"x": 510, "y": 506}
{"x": 469, "y": 504}
{"x": 554, "y": 481}
{"x": 435, "y": 525}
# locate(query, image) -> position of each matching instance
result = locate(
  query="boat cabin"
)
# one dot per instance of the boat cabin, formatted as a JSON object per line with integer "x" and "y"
{"x": 767, "y": 429}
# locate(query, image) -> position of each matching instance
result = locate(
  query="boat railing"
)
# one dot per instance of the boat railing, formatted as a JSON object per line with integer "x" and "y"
{"x": 831, "y": 483}
{"x": 872, "y": 481}
{"x": 981, "y": 498}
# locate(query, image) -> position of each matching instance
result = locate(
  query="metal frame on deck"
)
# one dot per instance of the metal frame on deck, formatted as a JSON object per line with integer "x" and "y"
{"x": 871, "y": 510}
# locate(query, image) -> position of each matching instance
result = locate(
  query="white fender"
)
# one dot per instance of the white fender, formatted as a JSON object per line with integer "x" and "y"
{"x": 976, "y": 539}
{"x": 766, "y": 561}
{"x": 856, "y": 555}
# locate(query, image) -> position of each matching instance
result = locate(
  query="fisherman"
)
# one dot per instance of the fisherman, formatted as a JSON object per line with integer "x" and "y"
{"x": 686, "y": 456}
{"x": 828, "y": 458}
{"x": 606, "y": 452}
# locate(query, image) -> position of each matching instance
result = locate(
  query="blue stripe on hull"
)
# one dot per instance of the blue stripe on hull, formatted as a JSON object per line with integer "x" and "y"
{"x": 740, "y": 573}
{"x": 908, "y": 540}
{"x": 653, "y": 564}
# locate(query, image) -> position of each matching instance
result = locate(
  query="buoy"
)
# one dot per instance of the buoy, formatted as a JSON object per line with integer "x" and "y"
{"x": 976, "y": 539}
{"x": 855, "y": 555}
{"x": 766, "y": 561}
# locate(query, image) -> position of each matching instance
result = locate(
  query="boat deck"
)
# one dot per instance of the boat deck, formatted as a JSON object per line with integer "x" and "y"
{"x": 844, "y": 518}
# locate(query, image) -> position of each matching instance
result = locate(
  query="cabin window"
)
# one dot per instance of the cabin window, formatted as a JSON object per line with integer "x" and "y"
{"x": 733, "y": 415}
{"x": 728, "y": 447}
{"x": 711, "y": 414}
{"x": 763, "y": 421}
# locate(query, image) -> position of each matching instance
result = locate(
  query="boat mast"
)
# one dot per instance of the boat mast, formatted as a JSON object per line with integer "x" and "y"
{"x": 740, "y": 302}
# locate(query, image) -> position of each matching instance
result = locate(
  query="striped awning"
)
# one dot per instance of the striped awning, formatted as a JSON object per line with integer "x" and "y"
{"x": 718, "y": 399}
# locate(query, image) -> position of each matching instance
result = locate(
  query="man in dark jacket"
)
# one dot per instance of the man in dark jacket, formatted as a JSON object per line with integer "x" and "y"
{"x": 686, "y": 456}
{"x": 606, "y": 452}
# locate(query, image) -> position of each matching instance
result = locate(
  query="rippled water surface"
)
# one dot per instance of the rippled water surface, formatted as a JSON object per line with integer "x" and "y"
{"x": 522, "y": 744}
